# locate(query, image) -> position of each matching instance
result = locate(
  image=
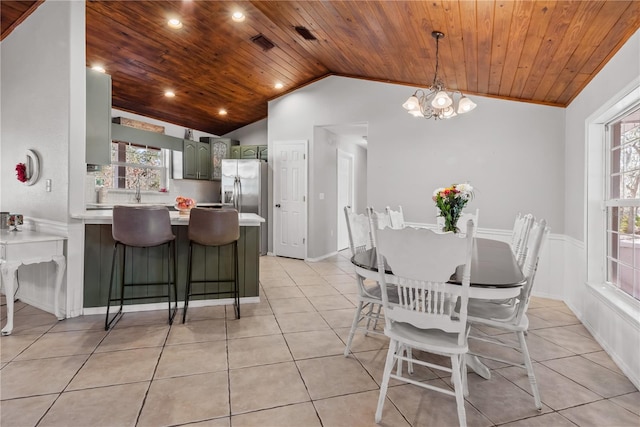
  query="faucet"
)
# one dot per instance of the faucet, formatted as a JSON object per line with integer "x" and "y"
{"x": 138, "y": 197}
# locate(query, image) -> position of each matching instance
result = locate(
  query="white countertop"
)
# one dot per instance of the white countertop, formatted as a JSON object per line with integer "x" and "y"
{"x": 26, "y": 236}
{"x": 105, "y": 216}
{"x": 91, "y": 206}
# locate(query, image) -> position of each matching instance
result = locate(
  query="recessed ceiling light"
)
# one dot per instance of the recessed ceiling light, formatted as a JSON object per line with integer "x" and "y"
{"x": 238, "y": 16}
{"x": 278, "y": 85}
{"x": 98, "y": 68}
{"x": 169, "y": 94}
{"x": 174, "y": 23}
{"x": 222, "y": 112}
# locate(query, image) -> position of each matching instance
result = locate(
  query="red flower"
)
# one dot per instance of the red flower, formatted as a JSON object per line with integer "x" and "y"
{"x": 21, "y": 172}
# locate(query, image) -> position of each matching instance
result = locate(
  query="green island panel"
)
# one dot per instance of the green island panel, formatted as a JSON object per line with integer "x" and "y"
{"x": 210, "y": 263}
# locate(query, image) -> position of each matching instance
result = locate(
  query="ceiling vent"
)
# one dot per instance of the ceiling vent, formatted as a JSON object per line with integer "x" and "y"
{"x": 306, "y": 34}
{"x": 263, "y": 42}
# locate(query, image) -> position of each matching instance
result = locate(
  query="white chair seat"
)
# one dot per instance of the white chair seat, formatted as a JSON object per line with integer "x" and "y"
{"x": 376, "y": 293}
{"x": 496, "y": 315}
{"x": 439, "y": 341}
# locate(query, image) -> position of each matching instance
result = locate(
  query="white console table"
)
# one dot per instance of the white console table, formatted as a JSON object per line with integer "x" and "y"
{"x": 29, "y": 247}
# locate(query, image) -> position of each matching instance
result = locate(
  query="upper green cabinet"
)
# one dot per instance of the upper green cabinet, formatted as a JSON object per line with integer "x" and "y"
{"x": 196, "y": 157}
{"x": 249, "y": 152}
{"x": 98, "y": 110}
{"x": 263, "y": 152}
{"x": 221, "y": 148}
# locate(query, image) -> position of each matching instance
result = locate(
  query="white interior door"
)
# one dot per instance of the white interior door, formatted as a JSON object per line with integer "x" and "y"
{"x": 290, "y": 199}
{"x": 345, "y": 195}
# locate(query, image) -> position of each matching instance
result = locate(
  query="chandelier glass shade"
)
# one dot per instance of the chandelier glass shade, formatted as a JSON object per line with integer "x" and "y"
{"x": 437, "y": 101}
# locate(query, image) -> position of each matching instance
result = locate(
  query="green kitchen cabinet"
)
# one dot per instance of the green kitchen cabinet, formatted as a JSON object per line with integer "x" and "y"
{"x": 235, "y": 152}
{"x": 221, "y": 148}
{"x": 263, "y": 152}
{"x": 98, "y": 118}
{"x": 248, "y": 151}
{"x": 196, "y": 157}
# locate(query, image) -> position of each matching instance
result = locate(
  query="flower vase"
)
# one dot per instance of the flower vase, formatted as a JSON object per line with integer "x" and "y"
{"x": 450, "y": 225}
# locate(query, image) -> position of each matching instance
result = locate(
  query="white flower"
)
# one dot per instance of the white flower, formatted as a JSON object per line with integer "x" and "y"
{"x": 465, "y": 189}
{"x": 437, "y": 191}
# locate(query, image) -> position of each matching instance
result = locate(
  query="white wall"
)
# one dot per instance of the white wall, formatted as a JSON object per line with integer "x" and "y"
{"x": 252, "y": 134}
{"x": 618, "y": 332}
{"x": 512, "y": 152}
{"x": 35, "y": 111}
{"x": 43, "y": 108}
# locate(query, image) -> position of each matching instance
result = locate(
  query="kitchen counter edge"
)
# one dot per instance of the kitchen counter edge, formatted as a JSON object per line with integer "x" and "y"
{"x": 106, "y": 217}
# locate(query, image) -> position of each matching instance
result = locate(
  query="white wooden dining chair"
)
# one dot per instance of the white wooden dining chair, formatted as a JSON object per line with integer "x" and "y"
{"x": 520, "y": 236}
{"x": 466, "y": 216}
{"x": 422, "y": 262}
{"x": 383, "y": 217}
{"x": 396, "y": 218}
{"x": 369, "y": 300}
{"x": 511, "y": 316}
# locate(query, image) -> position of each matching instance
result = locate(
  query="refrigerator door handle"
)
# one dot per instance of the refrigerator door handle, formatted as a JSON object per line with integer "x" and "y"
{"x": 238, "y": 193}
{"x": 235, "y": 193}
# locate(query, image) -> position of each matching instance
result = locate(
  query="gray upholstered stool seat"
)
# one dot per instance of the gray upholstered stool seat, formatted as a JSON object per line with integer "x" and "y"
{"x": 141, "y": 227}
{"x": 213, "y": 227}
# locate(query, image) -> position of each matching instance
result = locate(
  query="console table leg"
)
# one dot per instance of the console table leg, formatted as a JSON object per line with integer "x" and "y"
{"x": 9, "y": 278}
{"x": 60, "y": 268}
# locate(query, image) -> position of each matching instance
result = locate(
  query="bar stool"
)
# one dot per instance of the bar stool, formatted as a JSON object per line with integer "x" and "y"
{"x": 141, "y": 227}
{"x": 213, "y": 227}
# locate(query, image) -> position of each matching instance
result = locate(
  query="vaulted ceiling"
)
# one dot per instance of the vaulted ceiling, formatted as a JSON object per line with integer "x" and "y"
{"x": 534, "y": 51}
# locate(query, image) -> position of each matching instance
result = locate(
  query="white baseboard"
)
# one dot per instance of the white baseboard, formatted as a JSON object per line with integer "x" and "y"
{"x": 317, "y": 259}
{"x": 163, "y": 305}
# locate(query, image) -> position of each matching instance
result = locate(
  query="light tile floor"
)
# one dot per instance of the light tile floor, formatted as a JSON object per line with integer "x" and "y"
{"x": 281, "y": 364}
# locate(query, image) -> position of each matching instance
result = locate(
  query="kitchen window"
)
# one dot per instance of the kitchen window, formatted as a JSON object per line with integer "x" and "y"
{"x": 623, "y": 203}
{"x": 135, "y": 165}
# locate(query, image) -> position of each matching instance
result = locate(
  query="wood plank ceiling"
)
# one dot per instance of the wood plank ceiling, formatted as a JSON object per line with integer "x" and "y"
{"x": 534, "y": 51}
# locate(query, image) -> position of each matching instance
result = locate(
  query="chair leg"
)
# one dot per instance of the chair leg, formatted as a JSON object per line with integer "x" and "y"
{"x": 107, "y": 322}
{"x": 530, "y": 373}
{"x": 375, "y": 323}
{"x": 409, "y": 352}
{"x": 369, "y": 315}
{"x": 354, "y": 326}
{"x": 458, "y": 387}
{"x": 187, "y": 291}
{"x": 465, "y": 381}
{"x": 388, "y": 366}
{"x": 175, "y": 277}
{"x": 171, "y": 265}
{"x": 236, "y": 279}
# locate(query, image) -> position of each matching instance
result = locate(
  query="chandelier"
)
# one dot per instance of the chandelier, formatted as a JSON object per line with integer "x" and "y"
{"x": 437, "y": 101}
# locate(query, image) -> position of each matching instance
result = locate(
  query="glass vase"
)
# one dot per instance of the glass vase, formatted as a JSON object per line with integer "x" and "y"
{"x": 450, "y": 224}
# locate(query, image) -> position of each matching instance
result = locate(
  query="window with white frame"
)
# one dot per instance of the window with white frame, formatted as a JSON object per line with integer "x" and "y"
{"x": 135, "y": 166}
{"x": 623, "y": 202}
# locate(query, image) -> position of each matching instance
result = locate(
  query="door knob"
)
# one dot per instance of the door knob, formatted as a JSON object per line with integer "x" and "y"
{"x": 278, "y": 205}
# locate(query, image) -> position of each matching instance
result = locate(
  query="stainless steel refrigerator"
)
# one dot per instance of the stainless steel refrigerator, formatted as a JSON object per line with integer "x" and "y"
{"x": 244, "y": 186}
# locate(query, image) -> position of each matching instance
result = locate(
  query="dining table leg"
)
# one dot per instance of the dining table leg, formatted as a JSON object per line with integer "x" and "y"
{"x": 477, "y": 366}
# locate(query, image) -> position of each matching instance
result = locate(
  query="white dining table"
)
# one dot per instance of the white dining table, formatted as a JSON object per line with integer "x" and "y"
{"x": 495, "y": 275}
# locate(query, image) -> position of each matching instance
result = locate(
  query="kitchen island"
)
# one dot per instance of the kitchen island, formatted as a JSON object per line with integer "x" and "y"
{"x": 212, "y": 261}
